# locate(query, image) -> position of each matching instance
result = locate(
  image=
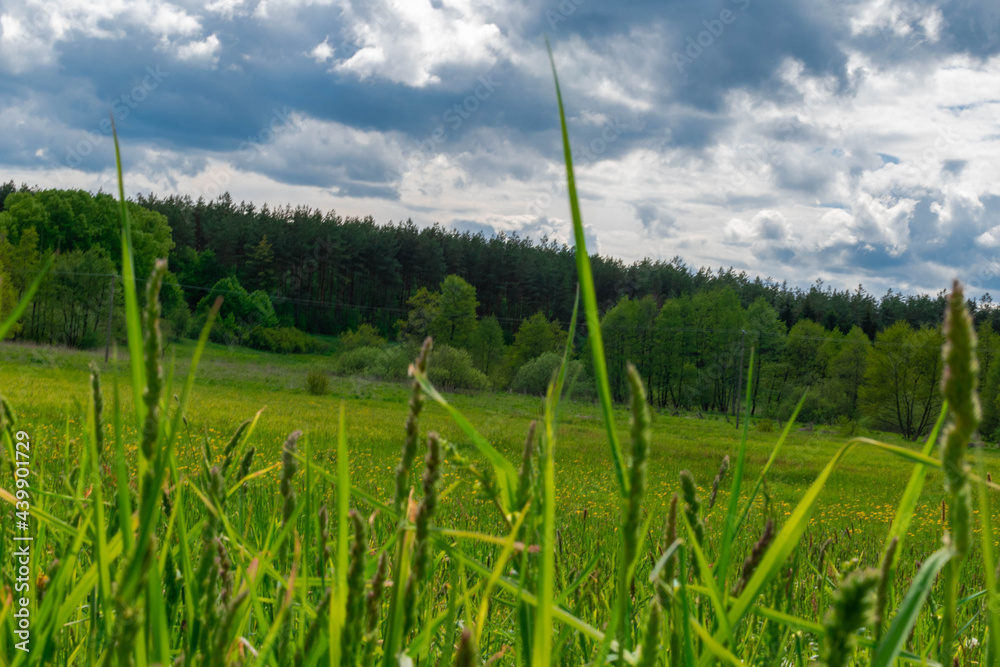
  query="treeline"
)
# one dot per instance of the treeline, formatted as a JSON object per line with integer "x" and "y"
{"x": 695, "y": 354}
{"x": 289, "y": 274}
{"x": 326, "y": 274}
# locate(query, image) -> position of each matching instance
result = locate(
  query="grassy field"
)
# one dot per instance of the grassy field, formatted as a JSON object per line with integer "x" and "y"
{"x": 50, "y": 388}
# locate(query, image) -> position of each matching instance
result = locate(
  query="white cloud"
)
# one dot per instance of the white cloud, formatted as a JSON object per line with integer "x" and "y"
{"x": 409, "y": 42}
{"x": 322, "y": 53}
{"x": 31, "y": 32}
{"x": 227, "y": 9}
{"x": 204, "y": 53}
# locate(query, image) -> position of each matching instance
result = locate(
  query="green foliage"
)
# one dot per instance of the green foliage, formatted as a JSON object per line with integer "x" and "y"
{"x": 241, "y": 311}
{"x": 487, "y": 347}
{"x": 424, "y": 307}
{"x": 629, "y": 335}
{"x": 285, "y": 340}
{"x": 317, "y": 382}
{"x": 364, "y": 336}
{"x": 454, "y": 322}
{"x": 536, "y": 335}
{"x": 846, "y": 370}
{"x": 989, "y": 379}
{"x": 901, "y": 379}
{"x": 361, "y": 361}
{"x": 453, "y": 369}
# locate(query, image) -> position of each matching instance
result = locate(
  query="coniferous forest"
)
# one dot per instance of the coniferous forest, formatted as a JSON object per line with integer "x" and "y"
{"x": 500, "y": 306}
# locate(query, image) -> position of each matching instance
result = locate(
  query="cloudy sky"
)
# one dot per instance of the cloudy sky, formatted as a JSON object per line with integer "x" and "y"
{"x": 851, "y": 141}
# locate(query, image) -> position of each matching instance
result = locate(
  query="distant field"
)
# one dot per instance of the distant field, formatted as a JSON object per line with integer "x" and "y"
{"x": 47, "y": 386}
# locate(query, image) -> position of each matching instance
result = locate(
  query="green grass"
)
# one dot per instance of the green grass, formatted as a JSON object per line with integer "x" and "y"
{"x": 49, "y": 387}
{"x": 46, "y": 384}
{"x": 185, "y": 533}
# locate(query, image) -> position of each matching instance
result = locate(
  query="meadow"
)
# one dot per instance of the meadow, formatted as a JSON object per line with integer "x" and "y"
{"x": 50, "y": 386}
{"x": 199, "y": 507}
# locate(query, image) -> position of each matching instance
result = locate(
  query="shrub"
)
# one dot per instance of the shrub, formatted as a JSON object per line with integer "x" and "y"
{"x": 367, "y": 361}
{"x": 847, "y": 426}
{"x": 286, "y": 340}
{"x": 364, "y": 336}
{"x": 452, "y": 368}
{"x": 765, "y": 425}
{"x": 534, "y": 377}
{"x": 396, "y": 361}
{"x": 317, "y": 383}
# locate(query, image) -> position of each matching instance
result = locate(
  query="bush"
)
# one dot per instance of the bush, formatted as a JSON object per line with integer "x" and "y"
{"x": 452, "y": 368}
{"x": 534, "y": 377}
{"x": 364, "y": 336}
{"x": 317, "y": 383}
{"x": 367, "y": 361}
{"x": 396, "y": 361}
{"x": 765, "y": 425}
{"x": 847, "y": 426}
{"x": 286, "y": 340}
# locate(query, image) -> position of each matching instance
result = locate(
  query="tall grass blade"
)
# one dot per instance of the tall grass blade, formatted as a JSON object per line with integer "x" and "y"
{"x": 541, "y": 643}
{"x": 989, "y": 563}
{"x": 586, "y": 281}
{"x": 343, "y": 507}
{"x": 906, "y": 616}
{"x": 133, "y": 321}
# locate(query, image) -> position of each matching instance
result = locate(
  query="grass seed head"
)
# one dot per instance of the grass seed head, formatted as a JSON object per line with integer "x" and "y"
{"x": 637, "y": 469}
{"x": 692, "y": 510}
{"x": 289, "y": 466}
{"x": 851, "y": 610}
{"x": 373, "y": 600}
{"x": 422, "y": 521}
{"x": 958, "y": 383}
{"x": 354, "y": 625}
{"x": 884, "y": 583}
{"x": 524, "y": 473}
{"x": 467, "y": 655}
{"x": 246, "y": 464}
{"x": 753, "y": 559}
{"x": 95, "y": 392}
{"x": 723, "y": 468}
{"x": 651, "y": 638}
{"x": 669, "y": 536}
{"x": 152, "y": 344}
{"x": 231, "y": 447}
{"x": 409, "y": 452}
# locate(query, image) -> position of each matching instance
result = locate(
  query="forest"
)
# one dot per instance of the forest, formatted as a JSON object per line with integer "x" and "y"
{"x": 499, "y": 307}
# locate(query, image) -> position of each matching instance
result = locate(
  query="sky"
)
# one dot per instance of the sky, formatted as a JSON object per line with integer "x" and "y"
{"x": 850, "y": 142}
